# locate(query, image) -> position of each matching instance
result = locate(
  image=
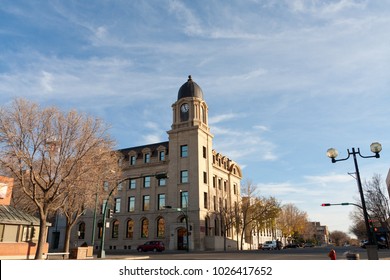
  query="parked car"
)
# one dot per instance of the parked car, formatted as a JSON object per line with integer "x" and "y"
{"x": 380, "y": 244}
{"x": 308, "y": 245}
{"x": 291, "y": 245}
{"x": 269, "y": 245}
{"x": 155, "y": 246}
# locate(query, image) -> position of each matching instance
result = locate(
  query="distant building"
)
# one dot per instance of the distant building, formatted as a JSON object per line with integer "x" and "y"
{"x": 18, "y": 230}
{"x": 321, "y": 233}
{"x": 202, "y": 185}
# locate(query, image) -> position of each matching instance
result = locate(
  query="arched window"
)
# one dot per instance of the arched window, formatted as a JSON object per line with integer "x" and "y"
{"x": 100, "y": 229}
{"x": 207, "y": 225}
{"x": 216, "y": 227}
{"x": 81, "y": 232}
{"x": 203, "y": 115}
{"x": 115, "y": 229}
{"x": 130, "y": 229}
{"x": 161, "y": 228}
{"x": 145, "y": 228}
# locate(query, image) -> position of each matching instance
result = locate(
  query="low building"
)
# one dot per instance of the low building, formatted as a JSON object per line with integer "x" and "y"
{"x": 18, "y": 230}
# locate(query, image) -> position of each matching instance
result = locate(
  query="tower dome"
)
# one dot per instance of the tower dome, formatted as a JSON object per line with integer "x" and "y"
{"x": 190, "y": 89}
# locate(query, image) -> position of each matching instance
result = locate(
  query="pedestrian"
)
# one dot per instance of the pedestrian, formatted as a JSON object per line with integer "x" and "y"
{"x": 332, "y": 254}
{"x": 278, "y": 244}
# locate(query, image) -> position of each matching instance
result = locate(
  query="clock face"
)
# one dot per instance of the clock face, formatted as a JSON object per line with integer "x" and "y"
{"x": 184, "y": 108}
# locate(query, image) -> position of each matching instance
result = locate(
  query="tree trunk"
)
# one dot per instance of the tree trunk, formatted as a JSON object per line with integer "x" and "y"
{"x": 68, "y": 231}
{"x": 41, "y": 238}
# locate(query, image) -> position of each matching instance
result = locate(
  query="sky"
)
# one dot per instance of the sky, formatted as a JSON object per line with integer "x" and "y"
{"x": 284, "y": 81}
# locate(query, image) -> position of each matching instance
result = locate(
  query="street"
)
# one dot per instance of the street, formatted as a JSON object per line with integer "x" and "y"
{"x": 316, "y": 253}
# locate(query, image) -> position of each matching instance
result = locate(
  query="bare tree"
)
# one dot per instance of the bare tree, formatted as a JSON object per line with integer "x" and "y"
{"x": 256, "y": 210}
{"x": 377, "y": 204}
{"x": 45, "y": 150}
{"x": 103, "y": 167}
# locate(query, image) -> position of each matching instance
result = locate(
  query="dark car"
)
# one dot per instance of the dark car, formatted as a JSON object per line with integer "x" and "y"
{"x": 292, "y": 245}
{"x": 155, "y": 246}
{"x": 380, "y": 244}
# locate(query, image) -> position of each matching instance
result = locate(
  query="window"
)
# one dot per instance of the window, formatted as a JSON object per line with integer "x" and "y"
{"x": 183, "y": 199}
{"x": 81, "y": 232}
{"x": 162, "y": 182}
{"x": 132, "y": 184}
{"x": 161, "y": 228}
{"x": 202, "y": 114}
{"x": 117, "y": 205}
{"x": 147, "y": 158}
{"x": 131, "y": 204}
{"x": 184, "y": 151}
{"x": 235, "y": 188}
{"x": 147, "y": 182}
{"x": 100, "y": 229}
{"x": 215, "y": 202}
{"x": 132, "y": 160}
{"x": 161, "y": 155}
{"x": 161, "y": 201}
{"x": 120, "y": 186}
{"x": 205, "y": 200}
{"x": 145, "y": 228}
{"x": 204, "y": 152}
{"x": 184, "y": 176}
{"x": 205, "y": 177}
{"x": 130, "y": 229}
{"x": 146, "y": 203}
{"x": 115, "y": 229}
{"x": 214, "y": 181}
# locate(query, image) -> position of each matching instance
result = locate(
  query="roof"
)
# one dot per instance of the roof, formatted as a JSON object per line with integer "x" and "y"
{"x": 190, "y": 89}
{"x": 138, "y": 149}
{"x": 11, "y": 215}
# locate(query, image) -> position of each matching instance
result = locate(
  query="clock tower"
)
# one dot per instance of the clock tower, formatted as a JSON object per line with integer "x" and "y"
{"x": 191, "y": 158}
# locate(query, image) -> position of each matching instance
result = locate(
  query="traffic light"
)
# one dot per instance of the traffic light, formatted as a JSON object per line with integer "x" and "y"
{"x": 325, "y": 204}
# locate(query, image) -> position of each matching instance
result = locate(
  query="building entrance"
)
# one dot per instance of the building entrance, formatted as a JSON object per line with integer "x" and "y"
{"x": 182, "y": 239}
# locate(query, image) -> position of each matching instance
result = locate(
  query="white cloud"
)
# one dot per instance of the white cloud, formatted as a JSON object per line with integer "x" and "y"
{"x": 46, "y": 81}
{"x": 186, "y": 17}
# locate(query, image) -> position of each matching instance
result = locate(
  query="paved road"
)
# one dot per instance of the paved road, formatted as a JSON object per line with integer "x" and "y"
{"x": 316, "y": 253}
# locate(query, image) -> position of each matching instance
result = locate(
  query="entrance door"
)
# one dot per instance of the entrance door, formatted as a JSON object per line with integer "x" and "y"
{"x": 181, "y": 239}
{"x": 55, "y": 239}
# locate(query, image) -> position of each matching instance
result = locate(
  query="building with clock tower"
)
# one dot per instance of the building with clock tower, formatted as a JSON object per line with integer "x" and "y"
{"x": 194, "y": 208}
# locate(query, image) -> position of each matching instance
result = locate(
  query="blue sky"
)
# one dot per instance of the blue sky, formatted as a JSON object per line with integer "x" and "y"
{"x": 284, "y": 80}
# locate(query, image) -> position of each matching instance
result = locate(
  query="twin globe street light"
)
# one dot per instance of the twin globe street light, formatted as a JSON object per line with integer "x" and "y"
{"x": 376, "y": 148}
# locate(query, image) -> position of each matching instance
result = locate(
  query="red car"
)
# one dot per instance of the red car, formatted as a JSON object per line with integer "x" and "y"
{"x": 155, "y": 246}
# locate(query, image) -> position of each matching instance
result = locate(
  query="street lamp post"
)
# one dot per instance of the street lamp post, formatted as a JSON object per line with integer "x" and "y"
{"x": 376, "y": 148}
{"x": 102, "y": 253}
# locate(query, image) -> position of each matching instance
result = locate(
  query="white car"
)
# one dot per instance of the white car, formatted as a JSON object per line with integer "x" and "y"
{"x": 270, "y": 245}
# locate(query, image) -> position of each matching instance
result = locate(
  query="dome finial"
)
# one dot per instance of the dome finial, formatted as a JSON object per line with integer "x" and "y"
{"x": 189, "y": 78}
